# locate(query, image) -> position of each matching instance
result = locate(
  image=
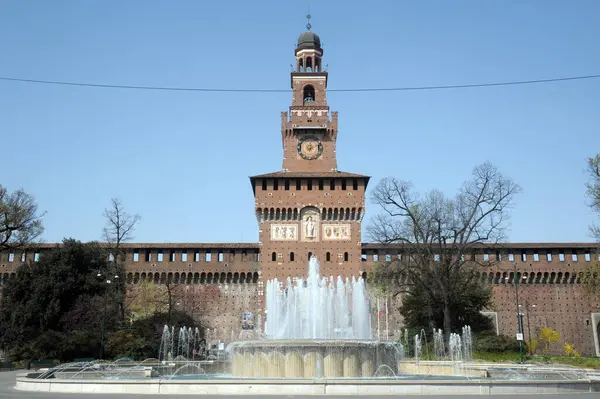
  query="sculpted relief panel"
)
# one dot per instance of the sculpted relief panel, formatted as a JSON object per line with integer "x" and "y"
{"x": 284, "y": 232}
{"x": 336, "y": 232}
{"x": 310, "y": 224}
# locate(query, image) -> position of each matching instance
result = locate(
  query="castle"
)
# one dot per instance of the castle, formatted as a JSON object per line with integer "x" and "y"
{"x": 309, "y": 208}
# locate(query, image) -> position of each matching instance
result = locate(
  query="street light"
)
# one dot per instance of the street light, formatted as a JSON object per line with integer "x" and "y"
{"x": 528, "y": 324}
{"x": 519, "y": 315}
{"x": 102, "y": 327}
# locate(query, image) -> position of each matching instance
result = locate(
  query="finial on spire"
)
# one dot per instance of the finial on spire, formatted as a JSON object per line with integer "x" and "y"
{"x": 308, "y": 25}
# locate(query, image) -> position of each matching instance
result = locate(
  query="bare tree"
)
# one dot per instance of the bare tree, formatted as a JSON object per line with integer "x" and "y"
{"x": 119, "y": 226}
{"x": 593, "y": 190}
{"x": 119, "y": 229}
{"x": 437, "y": 234}
{"x": 20, "y": 222}
{"x": 591, "y": 278}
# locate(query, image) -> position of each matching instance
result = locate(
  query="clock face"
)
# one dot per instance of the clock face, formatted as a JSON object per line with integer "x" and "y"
{"x": 310, "y": 148}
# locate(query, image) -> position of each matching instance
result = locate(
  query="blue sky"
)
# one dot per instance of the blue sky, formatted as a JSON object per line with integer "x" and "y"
{"x": 182, "y": 159}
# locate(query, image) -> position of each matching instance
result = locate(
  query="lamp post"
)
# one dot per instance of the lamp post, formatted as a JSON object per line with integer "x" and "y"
{"x": 519, "y": 315}
{"x": 102, "y": 326}
{"x": 528, "y": 324}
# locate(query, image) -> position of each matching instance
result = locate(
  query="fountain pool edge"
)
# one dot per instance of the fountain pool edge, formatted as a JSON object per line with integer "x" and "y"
{"x": 308, "y": 387}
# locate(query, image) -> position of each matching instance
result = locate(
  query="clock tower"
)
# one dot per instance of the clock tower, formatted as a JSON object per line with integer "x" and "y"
{"x": 310, "y": 131}
{"x": 309, "y": 207}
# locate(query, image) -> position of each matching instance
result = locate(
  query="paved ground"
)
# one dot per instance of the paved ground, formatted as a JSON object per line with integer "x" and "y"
{"x": 7, "y": 391}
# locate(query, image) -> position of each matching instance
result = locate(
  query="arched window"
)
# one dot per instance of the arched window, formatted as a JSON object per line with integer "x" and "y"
{"x": 274, "y": 256}
{"x": 291, "y": 256}
{"x": 309, "y": 255}
{"x": 345, "y": 256}
{"x": 328, "y": 256}
{"x": 308, "y": 94}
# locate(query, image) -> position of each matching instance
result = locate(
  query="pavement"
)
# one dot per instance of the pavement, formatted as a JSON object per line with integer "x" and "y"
{"x": 7, "y": 391}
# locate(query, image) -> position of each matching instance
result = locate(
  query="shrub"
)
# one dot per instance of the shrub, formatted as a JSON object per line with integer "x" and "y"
{"x": 490, "y": 342}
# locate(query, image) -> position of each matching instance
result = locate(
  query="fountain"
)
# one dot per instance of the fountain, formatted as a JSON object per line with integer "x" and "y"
{"x": 315, "y": 328}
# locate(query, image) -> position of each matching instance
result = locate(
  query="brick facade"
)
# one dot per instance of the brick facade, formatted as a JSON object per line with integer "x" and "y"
{"x": 311, "y": 207}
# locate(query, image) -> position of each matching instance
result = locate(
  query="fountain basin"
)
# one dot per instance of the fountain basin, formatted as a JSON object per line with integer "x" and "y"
{"x": 441, "y": 368}
{"x": 310, "y": 359}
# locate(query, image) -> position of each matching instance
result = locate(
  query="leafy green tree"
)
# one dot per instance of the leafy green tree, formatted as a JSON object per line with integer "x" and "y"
{"x": 437, "y": 236}
{"x": 54, "y": 307}
{"x": 141, "y": 339}
{"x": 421, "y": 308}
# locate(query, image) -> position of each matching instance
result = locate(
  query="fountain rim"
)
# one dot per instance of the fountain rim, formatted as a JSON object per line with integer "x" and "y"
{"x": 310, "y": 342}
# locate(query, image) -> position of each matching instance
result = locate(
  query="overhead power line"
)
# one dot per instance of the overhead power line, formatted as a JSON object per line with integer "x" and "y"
{"x": 204, "y": 89}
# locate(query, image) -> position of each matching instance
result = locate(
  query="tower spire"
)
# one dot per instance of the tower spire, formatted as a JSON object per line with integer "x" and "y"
{"x": 308, "y": 17}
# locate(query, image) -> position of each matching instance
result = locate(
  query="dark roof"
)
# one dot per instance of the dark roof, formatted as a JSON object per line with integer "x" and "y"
{"x": 327, "y": 175}
{"x": 310, "y": 174}
{"x": 309, "y": 40}
{"x": 166, "y": 245}
{"x": 365, "y": 245}
{"x": 502, "y": 245}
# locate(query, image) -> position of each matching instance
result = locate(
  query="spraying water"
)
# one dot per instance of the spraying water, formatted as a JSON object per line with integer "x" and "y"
{"x": 317, "y": 308}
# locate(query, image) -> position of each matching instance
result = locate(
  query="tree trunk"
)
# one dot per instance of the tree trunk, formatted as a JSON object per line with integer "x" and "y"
{"x": 447, "y": 323}
{"x": 170, "y": 304}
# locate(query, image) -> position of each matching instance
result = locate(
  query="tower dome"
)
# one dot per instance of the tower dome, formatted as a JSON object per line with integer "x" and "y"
{"x": 309, "y": 40}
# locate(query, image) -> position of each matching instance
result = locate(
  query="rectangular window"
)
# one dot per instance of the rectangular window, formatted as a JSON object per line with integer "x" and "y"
{"x": 23, "y": 257}
{"x": 159, "y": 256}
{"x": 171, "y": 256}
{"x": 588, "y": 257}
{"x": 354, "y": 184}
{"x": 184, "y": 256}
{"x": 136, "y": 256}
{"x": 524, "y": 256}
{"x": 561, "y": 256}
{"x": 208, "y": 257}
{"x": 536, "y": 257}
{"x": 298, "y": 185}
{"x": 375, "y": 257}
{"x": 436, "y": 257}
{"x": 498, "y": 256}
{"x": 511, "y": 257}
{"x": 309, "y": 184}
{"x": 196, "y": 256}
{"x": 388, "y": 258}
{"x": 148, "y": 255}
{"x": 111, "y": 257}
{"x": 287, "y": 184}
{"x": 36, "y": 256}
{"x": 574, "y": 256}
{"x": 332, "y": 185}
{"x": 264, "y": 185}
{"x": 220, "y": 257}
{"x": 11, "y": 256}
{"x": 275, "y": 184}
{"x": 343, "y": 184}
{"x": 320, "y": 184}
{"x": 549, "y": 256}
{"x": 486, "y": 257}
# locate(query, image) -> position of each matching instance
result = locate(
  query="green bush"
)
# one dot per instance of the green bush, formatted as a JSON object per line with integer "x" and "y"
{"x": 497, "y": 357}
{"x": 490, "y": 342}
